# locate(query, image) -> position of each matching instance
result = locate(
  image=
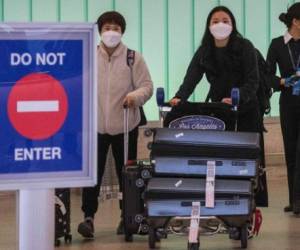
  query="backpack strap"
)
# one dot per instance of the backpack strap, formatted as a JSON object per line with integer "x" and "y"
{"x": 130, "y": 58}
{"x": 130, "y": 61}
{"x": 208, "y": 96}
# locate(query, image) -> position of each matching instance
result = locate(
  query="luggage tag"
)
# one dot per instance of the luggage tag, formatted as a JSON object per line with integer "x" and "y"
{"x": 195, "y": 220}
{"x": 210, "y": 184}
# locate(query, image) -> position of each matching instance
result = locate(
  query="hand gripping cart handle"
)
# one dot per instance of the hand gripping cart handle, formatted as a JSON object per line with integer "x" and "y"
{"x": 235, "y": 100}
{"x": 163, "y": 106}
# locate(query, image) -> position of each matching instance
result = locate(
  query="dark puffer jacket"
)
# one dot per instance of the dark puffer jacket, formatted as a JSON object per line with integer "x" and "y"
{"x": 239, "y": 69}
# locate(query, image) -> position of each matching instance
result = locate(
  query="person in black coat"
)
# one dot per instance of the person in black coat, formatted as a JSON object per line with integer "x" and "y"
{"x": 284, "y": 51}
{"x": 229, "y": 61}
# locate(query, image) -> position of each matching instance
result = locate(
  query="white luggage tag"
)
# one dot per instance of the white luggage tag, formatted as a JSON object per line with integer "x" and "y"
{"x": 195, "y": 221}
{"x": 210, "y": 184}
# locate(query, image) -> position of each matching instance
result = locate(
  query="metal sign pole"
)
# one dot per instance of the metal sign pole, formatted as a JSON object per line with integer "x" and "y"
{"x": 36, "y": 219}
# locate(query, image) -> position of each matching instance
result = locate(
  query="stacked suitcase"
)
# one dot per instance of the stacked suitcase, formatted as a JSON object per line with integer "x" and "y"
{"x": 135, "y": 180}
{"x": 180, "y": 159}
{"x": 135, "y": 176}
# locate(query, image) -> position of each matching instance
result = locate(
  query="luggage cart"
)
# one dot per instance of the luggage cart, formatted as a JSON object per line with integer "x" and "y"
{"x": 237, "y": 228}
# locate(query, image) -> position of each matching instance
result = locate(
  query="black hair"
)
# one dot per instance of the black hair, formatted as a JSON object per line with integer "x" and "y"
{"x": 208, "y": 39}
{"x": 292, "y": 13}
{"x": 111, "y": 17}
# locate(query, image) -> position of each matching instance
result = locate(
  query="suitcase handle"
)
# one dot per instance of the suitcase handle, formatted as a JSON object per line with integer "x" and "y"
{"x": 190, "y": 203}
{"x": 126, "y": 134}
{"x": 203, "y": 162}
{"x": 235, "y": 98}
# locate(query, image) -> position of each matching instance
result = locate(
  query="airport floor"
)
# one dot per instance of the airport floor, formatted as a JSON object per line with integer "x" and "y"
{"x": 279, "y": 231}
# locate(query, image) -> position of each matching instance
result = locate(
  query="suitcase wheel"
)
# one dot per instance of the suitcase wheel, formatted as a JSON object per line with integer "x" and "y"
{"x": 57, "y": 242}
{"x": 244, "y": 236}
{"x": 144, "y": 229}
{"x": 148, "y": 132}
{"x": 68, "y": 238}
{"x": 193, "y": 246}
{"x": 128, "y": 237}
{"x": 139, "y": 183}
{"x": 146, "y": 174}
{"x": 138, "y": 218}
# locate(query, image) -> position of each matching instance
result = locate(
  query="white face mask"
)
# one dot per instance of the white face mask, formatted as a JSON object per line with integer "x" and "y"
{"x": 220, "y": 31}
{"x": 111, "y": 38}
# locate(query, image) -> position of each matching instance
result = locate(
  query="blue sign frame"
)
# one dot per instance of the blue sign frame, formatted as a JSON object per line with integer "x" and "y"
{"x": 48, "y": 132}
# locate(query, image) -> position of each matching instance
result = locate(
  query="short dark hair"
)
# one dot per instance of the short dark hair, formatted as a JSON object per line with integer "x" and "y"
{"x": 208, "y": 39}
{"x": 292, "y": 13}
{"x": 111, "y": 17}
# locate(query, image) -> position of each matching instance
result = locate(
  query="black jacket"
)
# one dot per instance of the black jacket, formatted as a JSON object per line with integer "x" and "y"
{"x": 240, "y": 65}
{"x": 278, "y": 54}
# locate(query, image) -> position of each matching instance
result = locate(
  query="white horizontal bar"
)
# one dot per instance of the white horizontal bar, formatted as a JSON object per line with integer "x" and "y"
{"x": 37, "y": 106}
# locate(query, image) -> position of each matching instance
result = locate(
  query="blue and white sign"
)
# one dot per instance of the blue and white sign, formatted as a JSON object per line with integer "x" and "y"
{"x": 202, "y": 122}
{"x": 47, "y": 105}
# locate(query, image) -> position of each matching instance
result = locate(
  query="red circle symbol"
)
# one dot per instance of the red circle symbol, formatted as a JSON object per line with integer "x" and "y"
{"x": 37, "y": 106}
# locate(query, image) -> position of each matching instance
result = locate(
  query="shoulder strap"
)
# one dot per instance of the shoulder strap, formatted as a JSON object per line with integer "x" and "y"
{"x": 130, "y": 57}
{"x": 130, "y": 61}
{"x": 208, "y": 95}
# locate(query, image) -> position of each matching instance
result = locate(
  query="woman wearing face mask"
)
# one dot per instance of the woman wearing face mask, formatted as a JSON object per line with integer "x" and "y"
{"x": 284, "y": 51}
{"x": 228, "y": 61}
{"x": 118, "y": 85}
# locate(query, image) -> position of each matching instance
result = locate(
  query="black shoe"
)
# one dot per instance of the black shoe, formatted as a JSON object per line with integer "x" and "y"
{"x": 296, "y": 209}
{"x": 86, "y": 228}
{"x": 120, "y": 228}
{"x": 288, "y": 208}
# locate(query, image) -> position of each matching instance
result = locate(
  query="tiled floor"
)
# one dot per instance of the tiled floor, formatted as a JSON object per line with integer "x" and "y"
{"x": 279, "y": 231}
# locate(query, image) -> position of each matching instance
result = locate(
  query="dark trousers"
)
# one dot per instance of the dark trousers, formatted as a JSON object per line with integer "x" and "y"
{"x": 90, "y": 194}
{"x": 290, "y": 127}
{"x": 252, "y": 121}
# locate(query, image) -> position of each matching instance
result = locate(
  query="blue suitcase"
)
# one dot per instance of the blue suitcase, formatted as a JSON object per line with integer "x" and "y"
{"x": 172, "y": 166}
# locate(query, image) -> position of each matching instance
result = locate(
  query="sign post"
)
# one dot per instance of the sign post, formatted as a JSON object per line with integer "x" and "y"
{"x": 36, "y": 219}
{"x": 48, "y": 119}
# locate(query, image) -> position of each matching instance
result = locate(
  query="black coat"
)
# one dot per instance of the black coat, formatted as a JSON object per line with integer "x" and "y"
{"x": 240, "y": 65}
{"x": 238, "y": 69}
{"x": 278, "y": 54}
